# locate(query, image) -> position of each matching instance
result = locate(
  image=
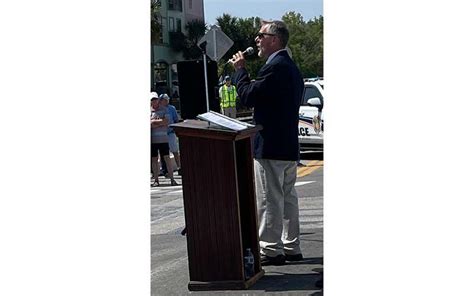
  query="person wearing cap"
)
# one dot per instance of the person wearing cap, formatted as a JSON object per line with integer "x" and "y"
{"x": 228, "y": 96}
{"x": 172, "y": 140}
{"x": 159, "y": 119}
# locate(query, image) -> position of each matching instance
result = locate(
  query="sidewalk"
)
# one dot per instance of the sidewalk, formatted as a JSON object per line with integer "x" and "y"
{"x": 169, "y": 262}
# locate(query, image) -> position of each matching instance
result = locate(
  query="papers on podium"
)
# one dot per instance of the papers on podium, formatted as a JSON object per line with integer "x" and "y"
{"x": 224, "y": 121}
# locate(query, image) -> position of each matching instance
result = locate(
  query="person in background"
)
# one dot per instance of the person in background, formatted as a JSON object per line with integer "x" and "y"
{"x": 172, "y": 140}
{"x": 275, "y": 95}
{"x": 228, "y": 95}
{"x": 159, "y": 120}
{"x": 154, "y": 99}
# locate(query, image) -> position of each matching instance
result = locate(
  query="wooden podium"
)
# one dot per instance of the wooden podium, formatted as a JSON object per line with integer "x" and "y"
{"x": 219, "y": 205}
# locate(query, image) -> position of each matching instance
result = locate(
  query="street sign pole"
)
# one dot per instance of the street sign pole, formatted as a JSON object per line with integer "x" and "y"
{"x": 204, "y": 59}
{"x": 215, "y": 43}
{"x": 219, "y": 44}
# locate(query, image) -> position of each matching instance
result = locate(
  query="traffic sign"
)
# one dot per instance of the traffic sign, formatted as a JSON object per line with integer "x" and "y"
{"x": 218, "y": 43}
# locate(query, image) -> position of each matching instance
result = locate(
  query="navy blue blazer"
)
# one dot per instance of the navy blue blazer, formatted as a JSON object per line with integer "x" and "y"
{"x": 275, "y": 96}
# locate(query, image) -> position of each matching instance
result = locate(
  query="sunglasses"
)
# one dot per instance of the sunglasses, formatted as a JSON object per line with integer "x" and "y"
{"x": 260, "y": 35}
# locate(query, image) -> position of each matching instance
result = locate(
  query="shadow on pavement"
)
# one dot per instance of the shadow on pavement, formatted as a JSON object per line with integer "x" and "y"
{"x": 289, "y": 282}
{"x": 306, "y": 260}
{"x": 312, "y": 155}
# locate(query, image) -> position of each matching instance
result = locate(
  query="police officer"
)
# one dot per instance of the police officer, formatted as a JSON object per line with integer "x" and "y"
{"x": 228, "y": 95}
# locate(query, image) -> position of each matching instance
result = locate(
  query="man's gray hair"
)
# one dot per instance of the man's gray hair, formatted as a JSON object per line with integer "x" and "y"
{"x": 279, "y": 29}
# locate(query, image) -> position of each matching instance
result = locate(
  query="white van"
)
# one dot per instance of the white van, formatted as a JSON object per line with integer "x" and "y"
{"x": 311, "y": 118}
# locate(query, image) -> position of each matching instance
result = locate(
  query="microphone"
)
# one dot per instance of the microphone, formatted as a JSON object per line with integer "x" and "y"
{"x": 247, "y": 52}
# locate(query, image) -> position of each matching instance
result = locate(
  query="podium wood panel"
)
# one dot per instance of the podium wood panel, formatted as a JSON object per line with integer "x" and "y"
{"x": 219, "y": 204}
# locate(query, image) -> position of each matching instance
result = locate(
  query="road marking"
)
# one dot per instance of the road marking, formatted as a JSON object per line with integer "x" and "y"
{"x": 309, "y": 168}
{"x": 164, "y": 191}
{"x": 303, "y": 183}
{"x": 301, "y": 172}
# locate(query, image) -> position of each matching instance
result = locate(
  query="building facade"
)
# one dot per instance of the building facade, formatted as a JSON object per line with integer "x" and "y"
{"x": 175, "y": 14}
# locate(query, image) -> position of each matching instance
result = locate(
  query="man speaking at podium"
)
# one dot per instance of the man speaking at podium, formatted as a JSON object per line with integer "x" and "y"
{"x": 275, "y": 95}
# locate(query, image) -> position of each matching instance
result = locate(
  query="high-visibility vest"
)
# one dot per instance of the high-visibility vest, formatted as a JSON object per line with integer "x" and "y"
{"x": 228, "y": 96}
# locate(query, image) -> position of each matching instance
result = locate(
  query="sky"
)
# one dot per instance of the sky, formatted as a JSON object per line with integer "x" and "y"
{"x": 265, "y": 9}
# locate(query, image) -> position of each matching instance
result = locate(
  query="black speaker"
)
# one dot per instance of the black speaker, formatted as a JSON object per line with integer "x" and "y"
{"x": 192, "y": 89}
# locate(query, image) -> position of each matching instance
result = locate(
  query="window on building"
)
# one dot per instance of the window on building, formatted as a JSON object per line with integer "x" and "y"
{"x": 178, "y": 25}
{"x": 164, "y": 28}
{"x": 160, "y": 37}
{"x": 175, "y": 5}
{"x": 161, "y": 78}
{"x": 172, "y": 28}
{"x": 175, "y": 86}
{"x": 190, "y": 4}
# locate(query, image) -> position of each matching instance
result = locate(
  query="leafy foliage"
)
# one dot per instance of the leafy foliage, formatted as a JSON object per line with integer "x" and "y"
{"x": 242, "y": 32}
{"x": 188, "y": 43}
{"x": 306, "y": 41}
{"x": 155, "y": 25}
{"x": 178, "y": 41}
{"x": 196, "y": 29}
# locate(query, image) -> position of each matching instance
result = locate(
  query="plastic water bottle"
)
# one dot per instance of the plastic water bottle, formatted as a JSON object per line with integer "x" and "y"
{"x": 249, "y": 264}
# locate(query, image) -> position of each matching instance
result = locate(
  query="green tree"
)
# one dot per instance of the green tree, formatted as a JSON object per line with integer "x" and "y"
{"x": 188, "y": 43}
{"x": 306, "y": 41}
{"x": 242, "y": 32}
{"x": 195, "y": 29}
{"x": 155, "y": 21}
{"x": 178, "y": 41}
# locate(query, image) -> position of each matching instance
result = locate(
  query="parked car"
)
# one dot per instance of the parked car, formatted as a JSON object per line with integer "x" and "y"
{"x": 311, "y": 116}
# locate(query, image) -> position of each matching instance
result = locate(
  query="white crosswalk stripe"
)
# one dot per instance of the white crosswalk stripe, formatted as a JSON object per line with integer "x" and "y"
{"x": 303, "y": 183}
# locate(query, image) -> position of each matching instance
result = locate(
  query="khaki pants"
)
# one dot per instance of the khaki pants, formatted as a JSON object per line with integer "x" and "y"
{"x": 230, "y": 111}
{"x": 277, "y": 207}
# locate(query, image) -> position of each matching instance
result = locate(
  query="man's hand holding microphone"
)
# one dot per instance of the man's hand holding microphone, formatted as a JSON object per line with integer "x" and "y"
{"x": 238, "y": 59}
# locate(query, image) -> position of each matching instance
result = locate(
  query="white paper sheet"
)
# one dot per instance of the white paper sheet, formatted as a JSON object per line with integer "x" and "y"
{"x": 224, "y": 121}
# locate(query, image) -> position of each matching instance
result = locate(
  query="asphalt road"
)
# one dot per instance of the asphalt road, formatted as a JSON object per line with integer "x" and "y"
{"x": 169, "y": 266}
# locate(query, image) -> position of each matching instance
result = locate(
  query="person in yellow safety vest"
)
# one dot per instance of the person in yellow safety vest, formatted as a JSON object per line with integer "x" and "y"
{"x": 228, "y": 95}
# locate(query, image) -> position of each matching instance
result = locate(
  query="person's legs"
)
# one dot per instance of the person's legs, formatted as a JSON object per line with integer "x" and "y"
{"x": 173, "y": 145}
{"x": 170, "y": 165}
{"x": 164, "y": 153}
{"x": 164, "y": 168}
{"x": 177, "y": 158}
{"x": 291, "y": 222}
{"x": 269, "y": 182}
{"x": 227, "y": 112}
{"x": 233, "y": 112}
{"x": 156, "y": 170}
{"x": 154, "y": 163}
